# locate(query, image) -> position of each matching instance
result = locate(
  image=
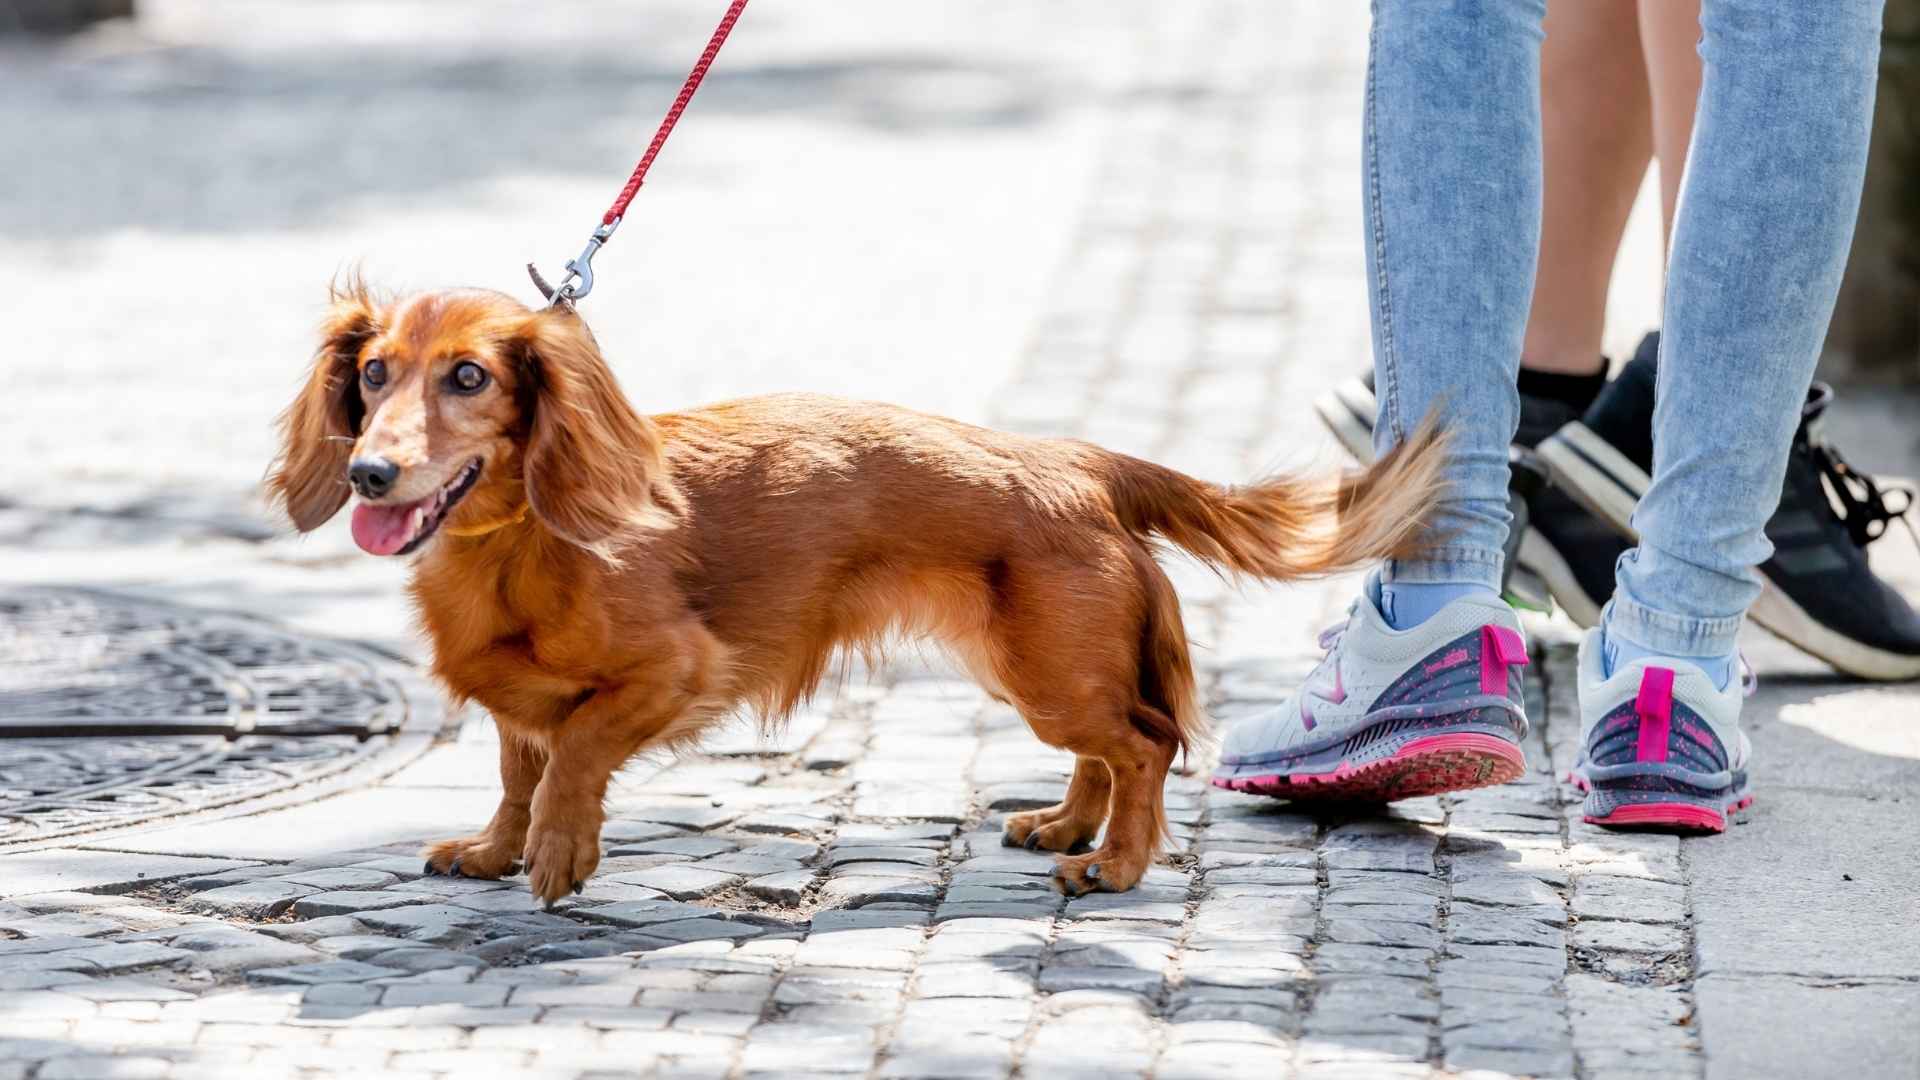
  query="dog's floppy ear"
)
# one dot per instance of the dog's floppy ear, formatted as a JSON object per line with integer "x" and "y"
{"x": 309, "y": 478}
{"x": 591, "y": 460}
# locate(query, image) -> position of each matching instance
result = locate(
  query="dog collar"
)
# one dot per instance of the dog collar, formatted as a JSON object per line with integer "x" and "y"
{"x": 495, "y": 525}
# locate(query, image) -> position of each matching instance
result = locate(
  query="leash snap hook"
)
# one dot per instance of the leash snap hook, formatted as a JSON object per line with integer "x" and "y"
{"x": 578, "y": 280}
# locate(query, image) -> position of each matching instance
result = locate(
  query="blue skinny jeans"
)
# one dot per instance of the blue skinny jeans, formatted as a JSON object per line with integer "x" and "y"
{"x": 1766, "y": 215}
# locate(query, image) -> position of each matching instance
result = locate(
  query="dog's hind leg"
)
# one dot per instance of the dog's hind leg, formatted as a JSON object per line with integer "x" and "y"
{"x": 1065, "y": 639}
{"x": 495, "y": 850}
{"x": 1072, "y": 824}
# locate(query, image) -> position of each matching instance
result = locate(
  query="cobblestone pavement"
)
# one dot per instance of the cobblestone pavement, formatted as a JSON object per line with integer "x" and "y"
{"x": 837, "y": 901}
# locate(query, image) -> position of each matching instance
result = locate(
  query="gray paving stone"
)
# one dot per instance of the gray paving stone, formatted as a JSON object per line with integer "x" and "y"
{"x": 421, "y": 922}
{"x": 478, "y": 995}
{"x": 1628, "y": 937}
{"x": 418, "y": 959}
{"x": 1401, "y": 935}
{"x": 117, "y": 1066}
{"x": 342, "y": 877}
{"x": 250, "y": 900}
{"x": 130, "y": 956}
{"x": 357, "y": 946}
{"x": 840, "y": 855}
{"x": 865, "y": 919}
{"x": 1009, "y": 861}
{"x": 862, "y": 890}
{"x": 403, "y": 867}
{"x": 703, "y": 930}
{"x": 1629, "y": 899}
{"x": 230, "y": 948}
{"x": 321, "y": 905}
{"x": 751, "y": 865}
{"x": 682, "y": 882}
{"x": 330, "y": 971}
{"x": 61, "y": 924}
{"x": 1262, "y": 875}
{"x": 1488, "y": 926}
{"x": 1509, "y": 890}
{"x": 693, "y": 847}
{"x": 1515, "y": 955}
{"x": 685, "y": 815}
{"x": 1537, "y": 1063}
{"x": 312, "y": 930}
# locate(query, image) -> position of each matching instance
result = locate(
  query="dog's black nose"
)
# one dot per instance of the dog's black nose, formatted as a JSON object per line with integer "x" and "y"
{"x": 373, "y": 477}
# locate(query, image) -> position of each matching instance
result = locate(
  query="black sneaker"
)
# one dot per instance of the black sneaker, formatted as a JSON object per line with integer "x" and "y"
{"x": 1821, "y": 596}
{"x": 1556, "y": 548}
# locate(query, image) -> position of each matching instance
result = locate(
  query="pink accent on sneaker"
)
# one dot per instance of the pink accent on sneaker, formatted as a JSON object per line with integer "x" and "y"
{"x": 1654, "y": 706}
{"x": 1670, "y": 815}
{"x": 1500, "y": 649}
{"x": 1339, "y": 694}
{"x": 1452, "y": 659}
{"x": 1427, "y": 766}
{"x": 1332, "y": 697}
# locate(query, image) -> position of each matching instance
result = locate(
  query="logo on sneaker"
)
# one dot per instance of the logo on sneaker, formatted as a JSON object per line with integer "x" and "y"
{"x": 1451, "y": 660}
{"x": 1336, "y": 696}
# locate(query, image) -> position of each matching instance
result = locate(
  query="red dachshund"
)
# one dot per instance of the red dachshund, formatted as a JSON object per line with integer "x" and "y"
{"x": 607, "y": 583}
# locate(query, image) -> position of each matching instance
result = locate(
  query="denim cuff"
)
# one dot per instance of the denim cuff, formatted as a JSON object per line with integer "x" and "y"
{"x": 1447, "y": 566}
{"x": 1670, "y": 635}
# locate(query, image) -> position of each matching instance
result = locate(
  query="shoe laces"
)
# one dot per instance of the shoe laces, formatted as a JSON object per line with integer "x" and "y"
{"x": 1863, "y": 501}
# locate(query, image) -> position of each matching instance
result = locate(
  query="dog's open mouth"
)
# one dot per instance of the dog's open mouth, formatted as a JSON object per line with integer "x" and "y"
{"x": 400, "y": 528}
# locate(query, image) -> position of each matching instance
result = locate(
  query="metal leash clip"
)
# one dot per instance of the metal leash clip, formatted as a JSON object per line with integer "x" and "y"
{"x": 578, "y": 280}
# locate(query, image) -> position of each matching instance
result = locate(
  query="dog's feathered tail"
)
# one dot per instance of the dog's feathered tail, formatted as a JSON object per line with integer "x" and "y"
{"x": 1291, "y": 526}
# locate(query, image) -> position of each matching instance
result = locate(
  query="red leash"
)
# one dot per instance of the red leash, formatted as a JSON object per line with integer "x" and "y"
{"x": 578, "y": 281}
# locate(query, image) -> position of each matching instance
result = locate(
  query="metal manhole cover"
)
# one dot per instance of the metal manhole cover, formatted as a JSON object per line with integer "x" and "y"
{"x": 115, "y": 711}
{"x": 75, "y": 663}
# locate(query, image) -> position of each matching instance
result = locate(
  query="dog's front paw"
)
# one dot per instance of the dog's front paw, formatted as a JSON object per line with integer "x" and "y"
{"x": 1104, "y": 870}
{"x": 560, "y": 860}
{"x": 481, "y": 855}
{"x": 1048, "y": 830}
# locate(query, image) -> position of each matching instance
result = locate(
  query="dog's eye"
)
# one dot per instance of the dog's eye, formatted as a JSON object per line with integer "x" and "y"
{"x": 375, "y": 373}
{"x": 468, "y": 377}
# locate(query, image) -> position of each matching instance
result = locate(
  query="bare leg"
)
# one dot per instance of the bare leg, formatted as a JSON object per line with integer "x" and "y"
{"x": 1596, "y": 140}
{"x": 1670, "y": 37}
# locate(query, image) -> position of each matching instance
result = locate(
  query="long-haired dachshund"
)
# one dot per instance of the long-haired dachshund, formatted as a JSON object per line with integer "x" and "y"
{"x": 607, "y": 583}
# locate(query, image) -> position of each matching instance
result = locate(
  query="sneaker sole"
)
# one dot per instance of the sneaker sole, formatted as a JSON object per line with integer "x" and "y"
{"x": 1609, "y": 485}
{"x": 1433, "y": 765}
{"x": 1664, "y": 816}
{"x": 1345, "y": 411}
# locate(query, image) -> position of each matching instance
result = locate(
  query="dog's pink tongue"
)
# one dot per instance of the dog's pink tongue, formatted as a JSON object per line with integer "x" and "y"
{"x": 382, "y": 530}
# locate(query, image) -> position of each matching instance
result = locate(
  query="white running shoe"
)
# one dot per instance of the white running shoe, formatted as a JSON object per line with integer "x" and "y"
{"x": 1393, "y": 714}
{"x": 1660, "y": 744}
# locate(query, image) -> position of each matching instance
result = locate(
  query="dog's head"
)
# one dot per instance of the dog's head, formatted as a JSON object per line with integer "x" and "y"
{"x": 462, "y": 408}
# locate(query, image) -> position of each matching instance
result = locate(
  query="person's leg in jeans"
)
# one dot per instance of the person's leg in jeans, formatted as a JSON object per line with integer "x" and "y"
{"x": 1764, "y": 220}
{"x": 1420, "y": 690}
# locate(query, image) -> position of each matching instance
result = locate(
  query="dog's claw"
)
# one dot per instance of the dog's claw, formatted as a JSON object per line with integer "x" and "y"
{"x": 1033, "y": 840}
{"x": 1093, "y": 872}
{"x": 454, "y": 870}
{"x": 428, "y": 870}
{"x": 579, "y": 887}
{"x": 1007, "y": 840}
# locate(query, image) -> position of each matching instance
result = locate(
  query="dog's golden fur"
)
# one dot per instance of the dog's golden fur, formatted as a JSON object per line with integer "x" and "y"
{"x": 677, "y": 568}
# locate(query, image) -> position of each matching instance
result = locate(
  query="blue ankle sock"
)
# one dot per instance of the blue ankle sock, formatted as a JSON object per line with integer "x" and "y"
{"x": 1407, "y": 604}
{"x": 1621, "y": 652}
